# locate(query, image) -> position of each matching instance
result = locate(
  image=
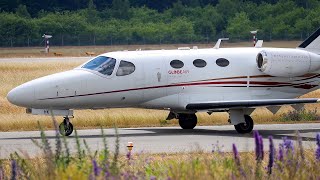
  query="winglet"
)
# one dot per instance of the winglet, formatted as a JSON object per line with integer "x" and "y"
{"x": 217, "y": 46}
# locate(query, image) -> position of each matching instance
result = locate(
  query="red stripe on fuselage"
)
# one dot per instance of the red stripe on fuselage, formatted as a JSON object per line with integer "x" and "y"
{"x": 263, "y": 84}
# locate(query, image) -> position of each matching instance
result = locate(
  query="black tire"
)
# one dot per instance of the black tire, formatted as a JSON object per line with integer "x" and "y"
{"x": 244, "y": 128}
{"x": 188, "y": 121}
{"x": 66, "y": 130}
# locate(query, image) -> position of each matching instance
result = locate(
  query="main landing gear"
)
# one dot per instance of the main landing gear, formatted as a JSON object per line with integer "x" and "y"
{"x": 66, "y": 127}
{"x": 246, "y": 127}
{"x": 187, "y": 121}
{"x": 240, "y": 118}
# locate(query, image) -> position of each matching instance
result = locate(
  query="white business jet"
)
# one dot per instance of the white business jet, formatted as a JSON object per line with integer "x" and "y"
{"x": 183, "y": 81}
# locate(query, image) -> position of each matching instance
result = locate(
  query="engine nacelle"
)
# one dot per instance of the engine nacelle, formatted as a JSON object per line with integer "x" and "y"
{"x": 287, "y": 62}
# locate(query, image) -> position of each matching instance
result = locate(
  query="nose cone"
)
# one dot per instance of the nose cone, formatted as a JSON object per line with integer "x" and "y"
{"x": 21, "y": 96}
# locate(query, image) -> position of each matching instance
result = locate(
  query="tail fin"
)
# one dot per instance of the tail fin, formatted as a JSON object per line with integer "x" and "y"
{"x": 312, "y": 43}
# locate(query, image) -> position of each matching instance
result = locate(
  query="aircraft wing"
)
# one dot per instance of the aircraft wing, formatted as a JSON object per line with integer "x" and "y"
{"x": 248, "y": 103}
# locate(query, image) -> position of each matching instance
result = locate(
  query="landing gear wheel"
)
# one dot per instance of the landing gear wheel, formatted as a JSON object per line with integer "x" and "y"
{"x": 66, "y": 127}
{"x": 187, "y": 121}
{"x": 247, "y": 127}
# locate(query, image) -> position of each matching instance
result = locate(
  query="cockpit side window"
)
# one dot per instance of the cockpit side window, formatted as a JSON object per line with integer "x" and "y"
{"x": 125, "y": 68}
{"x": 104, "y": 65}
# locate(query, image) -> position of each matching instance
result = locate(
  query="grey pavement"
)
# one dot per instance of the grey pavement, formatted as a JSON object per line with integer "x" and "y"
{"x": 164, "y": 139}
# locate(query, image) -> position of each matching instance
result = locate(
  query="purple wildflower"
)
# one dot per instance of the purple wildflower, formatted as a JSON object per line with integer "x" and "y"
{"x": 96, "y": 168}
{"x": 217, "y": 148}
{"x": 288, "y": 145}
{"x": 237, "y": 159}
{"x": 14, "y": 168}
{"x": 318, "y": 148}
{"x": 129, "y": 155}
{"x": 259, "y": 146}
{"x": 318, "y": 153}
{"x": 236, "y": 154}
{"x": 153, "y": 178}
{"x": 280, "y": 156}
{"x": 256, "y": 139}
{"x": 106, "y": 174}
{"x": 271, "y": 155}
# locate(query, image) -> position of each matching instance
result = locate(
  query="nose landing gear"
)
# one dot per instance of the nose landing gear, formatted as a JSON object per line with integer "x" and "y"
{"x": 66, "y": 127}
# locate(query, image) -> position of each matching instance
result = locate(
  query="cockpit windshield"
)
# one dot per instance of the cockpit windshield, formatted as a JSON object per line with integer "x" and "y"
{"x": 104, "y": 65}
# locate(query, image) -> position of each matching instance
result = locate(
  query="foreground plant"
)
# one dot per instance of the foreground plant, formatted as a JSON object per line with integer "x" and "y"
{"x": 58, "y": 163}
{"x": 300, "y": 115}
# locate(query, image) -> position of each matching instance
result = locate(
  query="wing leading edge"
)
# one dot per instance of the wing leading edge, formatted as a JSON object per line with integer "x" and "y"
{"x": 248, "y": 103}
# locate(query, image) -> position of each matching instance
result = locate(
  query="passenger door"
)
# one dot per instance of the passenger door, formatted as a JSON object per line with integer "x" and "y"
{"x": 155, "y": 78}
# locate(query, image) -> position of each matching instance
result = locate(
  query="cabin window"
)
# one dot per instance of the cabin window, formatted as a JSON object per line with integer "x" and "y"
{"x": 222, "y": 62}
{"x": 200, "y": 63}
{"x": 125, "y": 68}
{"x": 177, "y": 64}
{"x": 102, "y": 64}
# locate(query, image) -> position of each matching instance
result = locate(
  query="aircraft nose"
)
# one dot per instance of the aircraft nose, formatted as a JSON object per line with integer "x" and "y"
{"x": 21, "y": 96}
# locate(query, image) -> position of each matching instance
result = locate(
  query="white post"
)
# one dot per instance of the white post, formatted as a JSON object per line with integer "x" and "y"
{"x": 254, "y": 34}
{"x": 46, "y": 42}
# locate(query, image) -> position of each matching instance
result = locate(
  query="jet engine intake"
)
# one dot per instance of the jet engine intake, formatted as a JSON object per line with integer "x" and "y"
{"x": 287, "y": 62}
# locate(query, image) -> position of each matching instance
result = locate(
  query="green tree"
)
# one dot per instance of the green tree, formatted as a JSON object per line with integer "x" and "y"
{"x": 280, "y": 30}
{"x": 92, "y": 14}
{"x": 15, "y": 30}
{"x": 227, "y": 8}
{"x": 178, "y": 9}
{"x": 302, "y": 27}
{"x": 192, "y": 3}
{"x": 208, "y": 22}
{"x": 182, "y": 30}
{"x": 266, "y": 28}
{"x": 314, "y": 19}
{"x": 52, "y": 24}
{"x": 22, "y": 11}
{"x": 120, "y": 9}
{"x": 239, "y": 26}
{"x": 75, "y": 25}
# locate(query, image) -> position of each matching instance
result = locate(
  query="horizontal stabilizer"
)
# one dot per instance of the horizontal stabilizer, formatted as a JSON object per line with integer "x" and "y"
{"x": 247, "y": 103}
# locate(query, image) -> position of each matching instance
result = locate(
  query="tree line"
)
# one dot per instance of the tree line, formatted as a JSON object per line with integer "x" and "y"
{"x": 98, "y": 22}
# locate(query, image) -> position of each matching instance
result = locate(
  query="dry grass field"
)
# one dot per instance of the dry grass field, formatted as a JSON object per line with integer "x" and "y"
{"x": 13, "y": 74}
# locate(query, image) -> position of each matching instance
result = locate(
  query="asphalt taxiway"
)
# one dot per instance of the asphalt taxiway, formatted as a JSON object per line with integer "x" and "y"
{"x": 164, "y": 139}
